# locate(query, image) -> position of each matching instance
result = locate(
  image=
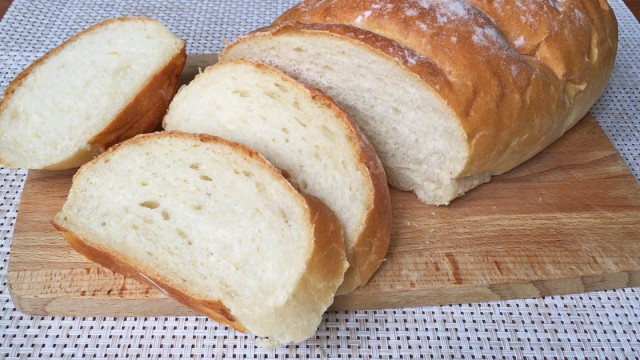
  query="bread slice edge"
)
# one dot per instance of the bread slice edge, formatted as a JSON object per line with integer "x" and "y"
{"x": 141, "y": 114}
{"x": 314, "y": 289}
{"x": 370, "y": 244}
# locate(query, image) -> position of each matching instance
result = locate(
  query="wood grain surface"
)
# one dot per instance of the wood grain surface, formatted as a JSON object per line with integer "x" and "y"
{"x": 565, "y": 222}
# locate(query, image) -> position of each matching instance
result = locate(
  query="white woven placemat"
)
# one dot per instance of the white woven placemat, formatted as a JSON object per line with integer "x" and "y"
{"x": 594, "y": 325}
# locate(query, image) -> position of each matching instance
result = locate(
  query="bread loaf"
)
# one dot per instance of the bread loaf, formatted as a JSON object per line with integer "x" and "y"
{"x": 303, "y": 132}
{"x": 102, "y": 86}
{"x": 450, "y": 92}
{"x": 212, "y": 224}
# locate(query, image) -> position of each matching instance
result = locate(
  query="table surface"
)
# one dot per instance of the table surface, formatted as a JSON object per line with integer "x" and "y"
{"x": 602, "y": 324}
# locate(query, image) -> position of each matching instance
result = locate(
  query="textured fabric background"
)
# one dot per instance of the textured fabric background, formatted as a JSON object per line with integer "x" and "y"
{"x": 594, "y": 325}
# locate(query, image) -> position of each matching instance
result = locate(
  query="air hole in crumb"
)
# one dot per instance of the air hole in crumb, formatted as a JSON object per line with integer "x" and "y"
{"x": 300, "y": 122}
{"x": 165, "y": 215}
{"x": 195, "y": 166}
{"x": 144, "y": 183}
{"x": 298, "y": 49}
{"x": 148, "y": 220}
{"x": 190, "y": 242}
{"x": 247, "y": 173}
{"x": 182, "y": 234}
{"x": 104, "y": 224}
{"x": 260, "y": 187}
{"x": 134, "y": 226}
{"x": 241, "y": 93}
{"x": 236, "y": 171}
{"x": 281, "y": 87}
{"x": 328, "y": 133}
{"x": 285, "y": 130}
{"x": 271, "y": 95}
{"x": 205, "y": 178}
{"x": 296, "y": 105}
{"x": 149, "y": 253}
{"x": 395, "y": 110}
{"x": 197, "y": 207}
{"x": 150, "y": 204}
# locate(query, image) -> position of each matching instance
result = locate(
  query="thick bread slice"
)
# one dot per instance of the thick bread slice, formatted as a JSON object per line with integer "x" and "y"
{"x": 447, "y": 94}
{"x": 104, "y": 85}
{"x": 301, "y": 131}
{"x": 214, "y": 225}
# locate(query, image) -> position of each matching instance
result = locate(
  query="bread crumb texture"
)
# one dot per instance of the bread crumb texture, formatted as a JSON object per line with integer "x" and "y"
{"x": 210, "y": 219}
{"x": 52, "y": 110}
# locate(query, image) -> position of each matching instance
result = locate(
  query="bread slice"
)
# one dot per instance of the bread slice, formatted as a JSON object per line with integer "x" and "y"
{"x": 301, "y": 131}
{"x": 214, "y": 225}
{"x": 447, "y": 94}
{"x": 104, "y": 85}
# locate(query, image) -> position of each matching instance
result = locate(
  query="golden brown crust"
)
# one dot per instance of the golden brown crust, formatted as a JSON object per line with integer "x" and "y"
{"x": 459, "y": 97}
{"x": 145, "y": 111}
{"x": 325, "y": 267}
{"x": 213, "y": 309}
{"x": 327, "y": 263}
{"x": 561, "y": 37}
{"x": 511, "y": 105}
{"x": 142, "y": 114}
{"x": 370, "y": 247}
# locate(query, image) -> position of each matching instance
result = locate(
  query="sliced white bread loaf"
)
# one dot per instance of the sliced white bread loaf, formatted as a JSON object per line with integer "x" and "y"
{"x": 106, "y": 84}
{"x": 303, "y": 132}
{"x": 449, "y": 92}
{"x": 214, "y": 225}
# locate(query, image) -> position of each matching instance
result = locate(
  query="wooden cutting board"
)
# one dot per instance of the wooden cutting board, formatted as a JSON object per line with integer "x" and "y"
{"x": 568, "y": 221}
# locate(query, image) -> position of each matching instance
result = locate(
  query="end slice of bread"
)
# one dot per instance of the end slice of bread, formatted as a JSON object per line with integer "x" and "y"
{"x": 304, "y": 132}
{"x": 106, "y": 84}
{"x": 214, "y": 225}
